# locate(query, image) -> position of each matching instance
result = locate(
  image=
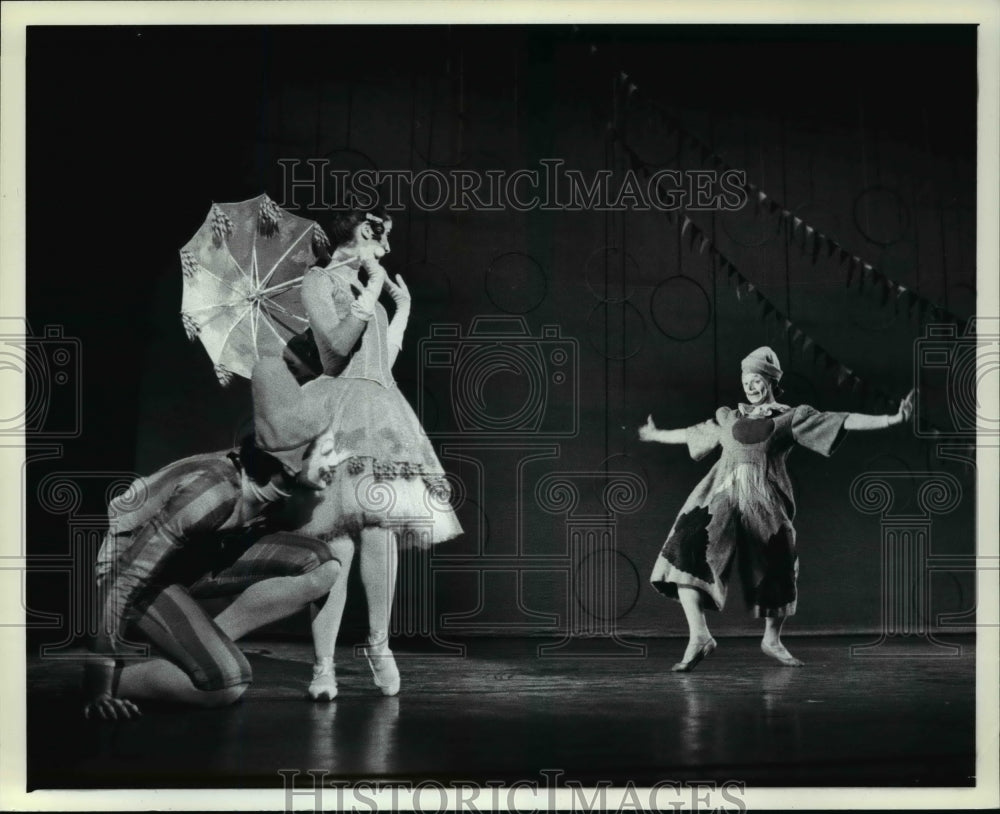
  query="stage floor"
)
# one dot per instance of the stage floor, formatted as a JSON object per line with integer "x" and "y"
{"x": 501, "y": 712}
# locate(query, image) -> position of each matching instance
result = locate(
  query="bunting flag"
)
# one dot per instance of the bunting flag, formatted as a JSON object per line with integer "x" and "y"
{"x": 808, "y": 238}
{"x": 796, "y": 231}
{"x": 768, "y": 311}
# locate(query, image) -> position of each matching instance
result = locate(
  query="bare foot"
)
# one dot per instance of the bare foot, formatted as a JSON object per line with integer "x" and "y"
{"x": 696, "y": 650}
{"x": 777, "y": 650}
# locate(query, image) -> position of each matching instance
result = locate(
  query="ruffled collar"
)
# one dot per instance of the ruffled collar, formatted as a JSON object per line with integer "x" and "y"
{"x": 761, "y": 410}
{"x": 258, "y": 497}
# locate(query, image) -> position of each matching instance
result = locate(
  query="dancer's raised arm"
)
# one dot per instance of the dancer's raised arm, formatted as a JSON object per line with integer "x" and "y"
{"x": 649, "y": 432}
{"x": 863, "y": 421}
{"x": 336, "y": 330}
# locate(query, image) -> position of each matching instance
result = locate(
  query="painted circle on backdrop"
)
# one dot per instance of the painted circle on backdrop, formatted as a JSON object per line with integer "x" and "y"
{"x": 599, "y": 597}
{"x": 516, "y": 283}
{"x": 616, "y": 330}
{"x": 680, "y": 308}
{"x": 610, "y": 274}
{"x": 881, "y": 215}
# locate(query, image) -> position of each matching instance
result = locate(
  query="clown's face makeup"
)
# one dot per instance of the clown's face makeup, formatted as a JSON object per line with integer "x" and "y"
{"x": 319, "y": 461}
{"x": 757, "y": 389}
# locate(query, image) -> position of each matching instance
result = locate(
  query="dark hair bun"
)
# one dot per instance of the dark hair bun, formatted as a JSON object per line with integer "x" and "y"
{"x": 343, "y": 223}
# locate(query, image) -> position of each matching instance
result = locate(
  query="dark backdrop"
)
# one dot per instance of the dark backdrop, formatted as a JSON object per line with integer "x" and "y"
{"x": 865, "y": 133}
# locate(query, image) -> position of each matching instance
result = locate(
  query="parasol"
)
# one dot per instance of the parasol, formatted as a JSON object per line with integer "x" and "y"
{"x": 243, "y": 272}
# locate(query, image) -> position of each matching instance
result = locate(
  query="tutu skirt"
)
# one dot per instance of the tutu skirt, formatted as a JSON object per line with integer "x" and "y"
{"x": 393, "y": 478}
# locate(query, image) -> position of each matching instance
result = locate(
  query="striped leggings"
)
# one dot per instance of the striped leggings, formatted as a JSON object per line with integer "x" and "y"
{"x": 179, "y": 629}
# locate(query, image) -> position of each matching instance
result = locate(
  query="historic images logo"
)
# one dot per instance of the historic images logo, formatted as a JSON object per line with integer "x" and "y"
{"x": 313, "y": 185}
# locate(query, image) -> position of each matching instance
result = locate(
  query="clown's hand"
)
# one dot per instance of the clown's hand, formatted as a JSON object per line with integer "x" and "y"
{"x": 108, "y": 708}
{"x": 647, "y": 430}
{"x": 905, "y": 412}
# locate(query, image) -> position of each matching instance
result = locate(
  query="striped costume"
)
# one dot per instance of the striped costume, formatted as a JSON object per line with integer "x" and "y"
{"x": 181, "y": 534}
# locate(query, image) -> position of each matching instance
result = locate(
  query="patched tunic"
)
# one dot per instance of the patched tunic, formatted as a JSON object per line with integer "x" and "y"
{"x": 745, "y": 503}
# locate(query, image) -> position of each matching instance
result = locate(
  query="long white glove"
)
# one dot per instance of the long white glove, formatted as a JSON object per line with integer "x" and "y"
{"x": 364, "y": 305}
{"x": 401, "y": 296}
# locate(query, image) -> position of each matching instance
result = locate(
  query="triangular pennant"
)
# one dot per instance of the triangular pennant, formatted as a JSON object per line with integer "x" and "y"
{"x": 817, "y": 245}
{"x": 887, "y": 286}
{"x": 687, "y": 224}
{"x": 831, "y": 246}
{"x": 704, "y": 245}
{"x": 695, "y": 233}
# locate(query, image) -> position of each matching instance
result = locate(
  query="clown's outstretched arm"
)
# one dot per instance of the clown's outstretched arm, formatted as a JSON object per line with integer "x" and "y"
{"x": 649, "y": 432}
{"x": 863, "y": 421}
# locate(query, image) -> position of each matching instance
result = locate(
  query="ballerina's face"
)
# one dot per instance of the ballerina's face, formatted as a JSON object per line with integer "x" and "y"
{"x": 757, "y": 388}
{"x": 379, "y": 242}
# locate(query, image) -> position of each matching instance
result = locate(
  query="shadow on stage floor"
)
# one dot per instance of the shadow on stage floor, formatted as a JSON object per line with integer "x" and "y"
{"x": 503, "y": 713}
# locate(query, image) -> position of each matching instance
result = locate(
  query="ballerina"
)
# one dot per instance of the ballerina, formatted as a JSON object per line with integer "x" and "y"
{"x": 393, "y": 491}
{"x": 745, "y": 504}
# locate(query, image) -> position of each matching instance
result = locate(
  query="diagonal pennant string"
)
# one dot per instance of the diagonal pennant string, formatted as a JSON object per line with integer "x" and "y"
{"x": 832, "y": 247}
{"x": 746, "y": 288}
{"x": 703, "y": 149}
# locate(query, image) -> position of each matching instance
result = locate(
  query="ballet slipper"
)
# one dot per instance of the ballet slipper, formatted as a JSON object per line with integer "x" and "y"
{"x": 706, "y": 648}
{"x": 384, "y": 670}
{"x": 324, "y": 681}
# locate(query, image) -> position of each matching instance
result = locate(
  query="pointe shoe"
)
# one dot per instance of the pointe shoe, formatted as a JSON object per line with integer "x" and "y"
{"x": 384, "y": 670}
{"x": 323, "y": 686}
{"x": 706, "y": 649}
{"x": 781, "y": 655}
